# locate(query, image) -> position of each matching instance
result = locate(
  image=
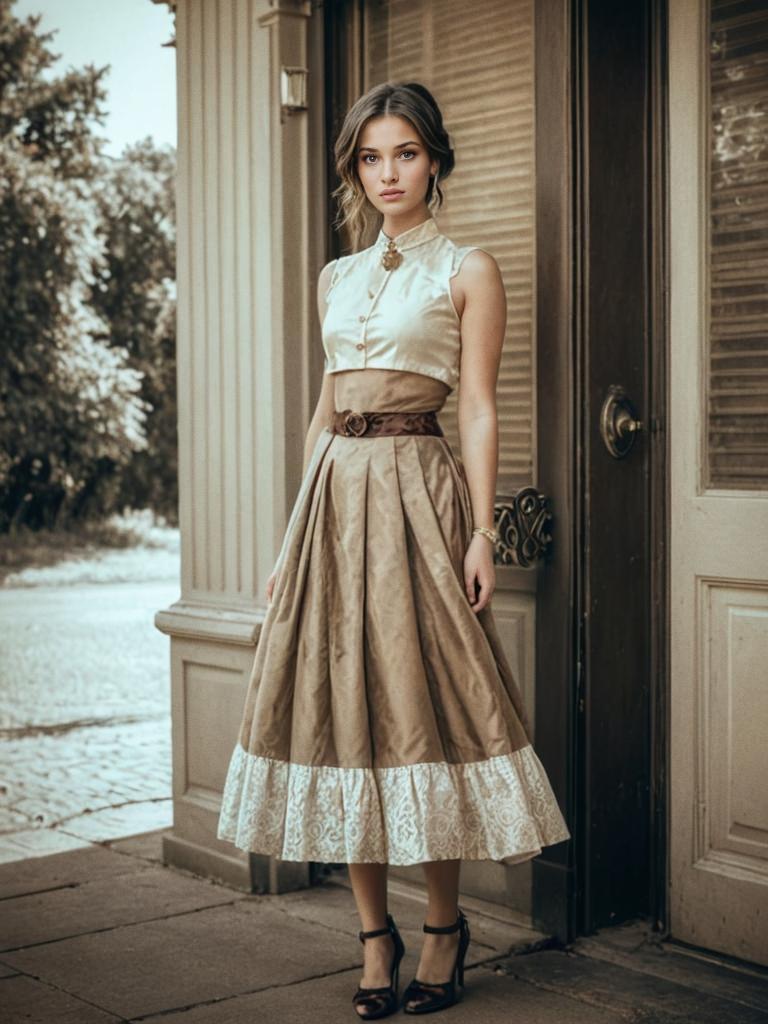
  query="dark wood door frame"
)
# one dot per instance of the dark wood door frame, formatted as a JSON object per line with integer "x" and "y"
{"x": 608, "y": 789}
{"x": 555, "y": 870}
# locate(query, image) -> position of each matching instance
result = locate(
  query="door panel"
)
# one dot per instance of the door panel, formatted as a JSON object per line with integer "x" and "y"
{"x": 719, "y": 502}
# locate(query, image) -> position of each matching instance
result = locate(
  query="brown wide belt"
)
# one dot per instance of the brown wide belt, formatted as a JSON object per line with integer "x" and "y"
{"x": 351, "y": 423}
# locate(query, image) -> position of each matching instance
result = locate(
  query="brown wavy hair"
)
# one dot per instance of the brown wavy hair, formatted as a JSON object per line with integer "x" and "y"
{"x": 417, "y": 105}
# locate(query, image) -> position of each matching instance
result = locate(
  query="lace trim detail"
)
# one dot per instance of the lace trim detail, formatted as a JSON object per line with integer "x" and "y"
{"x": 500, "y": 809}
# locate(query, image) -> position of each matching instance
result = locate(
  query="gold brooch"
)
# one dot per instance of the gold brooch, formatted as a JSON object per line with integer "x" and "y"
{"x": 392, "y": 257}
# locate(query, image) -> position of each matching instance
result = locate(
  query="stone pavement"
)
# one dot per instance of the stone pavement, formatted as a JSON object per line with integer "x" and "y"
{"x": 85, "y": 724}
{"x": 108, "y": 933}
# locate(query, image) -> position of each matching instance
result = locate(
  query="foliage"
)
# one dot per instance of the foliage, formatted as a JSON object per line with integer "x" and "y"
{"x": 135, "y": 293}
{"x": 87, "y": 413}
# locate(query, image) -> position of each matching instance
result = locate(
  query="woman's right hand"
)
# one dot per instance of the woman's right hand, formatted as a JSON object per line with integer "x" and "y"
{"x": 271, "y": 585}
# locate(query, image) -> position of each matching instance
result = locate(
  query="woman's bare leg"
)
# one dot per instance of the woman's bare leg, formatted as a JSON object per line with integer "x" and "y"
{"x": 369, "y": 885}
{"x": 438, "y": 952}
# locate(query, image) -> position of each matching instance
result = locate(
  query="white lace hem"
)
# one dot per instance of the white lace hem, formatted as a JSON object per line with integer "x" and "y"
{"x": 499, "y": 809}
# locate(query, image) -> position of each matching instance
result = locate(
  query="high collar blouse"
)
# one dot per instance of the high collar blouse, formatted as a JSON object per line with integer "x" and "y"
{"x": 399, "y": 319}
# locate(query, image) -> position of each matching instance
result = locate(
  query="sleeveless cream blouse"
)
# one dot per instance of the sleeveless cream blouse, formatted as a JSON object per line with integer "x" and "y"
{"x": 400, "y": 319}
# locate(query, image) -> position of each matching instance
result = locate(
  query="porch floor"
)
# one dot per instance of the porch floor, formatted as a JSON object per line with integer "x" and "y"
{"x": 107, "y": 932}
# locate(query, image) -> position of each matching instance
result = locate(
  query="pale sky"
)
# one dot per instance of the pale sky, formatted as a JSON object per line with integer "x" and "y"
{"x": 128, "y": 35}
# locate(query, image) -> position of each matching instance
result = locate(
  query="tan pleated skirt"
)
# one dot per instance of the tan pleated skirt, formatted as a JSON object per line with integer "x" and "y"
{"x": 382, "y": 722}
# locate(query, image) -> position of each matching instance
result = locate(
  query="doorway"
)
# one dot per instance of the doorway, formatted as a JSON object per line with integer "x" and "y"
{"x": 557, "y": 112}
{"x": 483, "y": 79}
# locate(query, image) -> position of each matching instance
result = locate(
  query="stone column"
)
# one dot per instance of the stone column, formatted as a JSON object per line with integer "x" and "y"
{"x": 249, "y": 368}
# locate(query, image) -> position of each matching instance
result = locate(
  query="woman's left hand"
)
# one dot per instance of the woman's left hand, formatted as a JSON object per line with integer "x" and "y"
{"x": 479, "y": 568}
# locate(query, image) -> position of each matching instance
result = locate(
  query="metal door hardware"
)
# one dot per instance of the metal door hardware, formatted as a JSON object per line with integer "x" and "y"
{"x": 523, "y": 528}
{"x": 618, "y": 422}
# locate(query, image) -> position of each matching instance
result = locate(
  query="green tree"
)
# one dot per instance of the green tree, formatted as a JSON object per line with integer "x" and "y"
{"x": 135, "y": 293}
{"x": 79, "y": 387}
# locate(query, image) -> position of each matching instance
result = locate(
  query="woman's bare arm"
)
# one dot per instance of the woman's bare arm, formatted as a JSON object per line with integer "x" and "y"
{"x": 480, "y": 299}
{"x": 325, "y": 402}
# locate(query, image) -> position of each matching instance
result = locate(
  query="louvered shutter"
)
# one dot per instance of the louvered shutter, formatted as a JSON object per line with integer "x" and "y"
{"x": 738, "y": 251}
{"x": 480, "y": 69}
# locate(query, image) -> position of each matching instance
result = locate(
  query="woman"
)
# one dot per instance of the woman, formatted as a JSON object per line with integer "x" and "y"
{"x": 382, "y": 722}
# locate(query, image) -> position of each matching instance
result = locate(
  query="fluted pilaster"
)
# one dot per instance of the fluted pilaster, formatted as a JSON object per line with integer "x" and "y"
{"x": 249, "y": 367}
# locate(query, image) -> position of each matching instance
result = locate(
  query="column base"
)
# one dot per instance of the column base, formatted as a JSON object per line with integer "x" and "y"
{"x": 212, "y": 651}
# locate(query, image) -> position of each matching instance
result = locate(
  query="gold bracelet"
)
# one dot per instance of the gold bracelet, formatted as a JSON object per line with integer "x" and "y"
{"x": 486, "y": 532}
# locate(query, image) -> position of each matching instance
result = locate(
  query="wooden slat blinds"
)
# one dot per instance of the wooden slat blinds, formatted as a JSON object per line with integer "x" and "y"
{"x": 478, "y": 63}
{"x": 738, "y": 250}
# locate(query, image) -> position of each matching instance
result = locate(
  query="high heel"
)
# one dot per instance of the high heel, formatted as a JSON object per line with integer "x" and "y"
{"x": 382, "y": 1000}
{"x": 448, "y": 992}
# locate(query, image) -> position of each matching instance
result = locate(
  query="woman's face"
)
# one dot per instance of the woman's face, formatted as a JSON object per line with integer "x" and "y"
{"x": 394, "y": 165}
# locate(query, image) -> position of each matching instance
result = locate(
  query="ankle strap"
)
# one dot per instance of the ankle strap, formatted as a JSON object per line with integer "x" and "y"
{"x": 444, "y": 929}
{"x": 377, "y": 931}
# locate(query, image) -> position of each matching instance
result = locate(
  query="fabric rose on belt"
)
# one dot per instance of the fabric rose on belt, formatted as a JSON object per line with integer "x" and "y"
{"x": 355, "y": 423}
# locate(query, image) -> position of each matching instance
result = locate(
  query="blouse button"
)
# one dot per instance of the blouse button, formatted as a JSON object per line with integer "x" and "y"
{"x": 360, "y": 344}
{"x": 361, "y": 318}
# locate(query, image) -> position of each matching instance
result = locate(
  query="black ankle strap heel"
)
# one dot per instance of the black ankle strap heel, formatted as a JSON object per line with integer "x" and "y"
{"x": 426, "y": 997}
{"x": 380, "y": 1001}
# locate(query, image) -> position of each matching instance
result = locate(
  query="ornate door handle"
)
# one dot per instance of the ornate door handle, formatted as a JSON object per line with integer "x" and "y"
{"x": 618, "y": 423}
{"x": 523, "y": 528}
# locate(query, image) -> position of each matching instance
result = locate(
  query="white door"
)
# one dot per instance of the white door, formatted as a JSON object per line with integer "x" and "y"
{"x": 718, "y": 220}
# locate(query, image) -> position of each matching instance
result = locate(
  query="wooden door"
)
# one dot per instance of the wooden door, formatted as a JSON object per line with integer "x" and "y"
{"x": 617, "y": 459}
{"x": 719, "y": 475}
